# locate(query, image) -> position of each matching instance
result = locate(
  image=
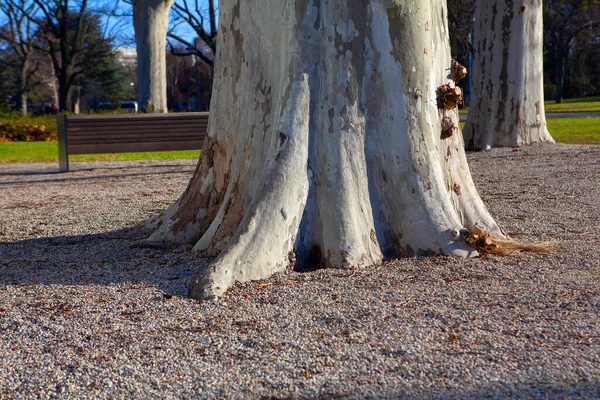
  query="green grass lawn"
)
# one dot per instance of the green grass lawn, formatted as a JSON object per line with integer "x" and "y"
{"x": 586, "y": 104}
{"x": 575, "y": 130}
{"x": 24, "y": 152}
{"x": 572, "y": 130}
{"x": 563, "y": 130}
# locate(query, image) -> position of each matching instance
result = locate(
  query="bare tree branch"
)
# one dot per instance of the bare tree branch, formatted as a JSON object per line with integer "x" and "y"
{"x": 195, "y": 18}
{"x": 192, "y": 50}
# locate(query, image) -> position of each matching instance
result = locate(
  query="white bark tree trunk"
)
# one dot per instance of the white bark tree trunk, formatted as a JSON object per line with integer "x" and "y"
{"x": 151, "y": 20}
{"x": 24, "y": 96}
{"x": 24, "y": 89}
{"x": 507, "y": 103}
{"x": 325, "y": 142}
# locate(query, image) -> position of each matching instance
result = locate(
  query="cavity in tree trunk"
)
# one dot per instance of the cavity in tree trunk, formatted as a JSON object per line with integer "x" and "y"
{"x": 507, "y": 103}
{"x": 151, "y": 20}
{"x": 325, "y": 143}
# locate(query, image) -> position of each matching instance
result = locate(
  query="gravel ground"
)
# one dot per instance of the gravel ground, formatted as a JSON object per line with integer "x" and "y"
{"x": 83, "y": 313}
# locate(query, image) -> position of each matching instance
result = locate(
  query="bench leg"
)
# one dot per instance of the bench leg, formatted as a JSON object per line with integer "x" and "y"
{"x": 63, "y": 147}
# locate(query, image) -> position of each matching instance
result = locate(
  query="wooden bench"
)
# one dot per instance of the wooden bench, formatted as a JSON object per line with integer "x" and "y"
{"x": 125, "y": 133}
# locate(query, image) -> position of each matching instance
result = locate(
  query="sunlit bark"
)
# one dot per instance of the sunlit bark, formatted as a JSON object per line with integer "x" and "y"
{"x": 325, "y": 144}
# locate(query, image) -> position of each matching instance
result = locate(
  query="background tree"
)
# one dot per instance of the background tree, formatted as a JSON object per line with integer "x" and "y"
{"x": 17, "y": 35}
{"x": 66, "y": 31}
{"x": 195, "y": 17}
{"x": 187, "y": 16}
{"x": 188, "y": 84}
{"x": 63, "y": 32}
{"x": 201, "y": 17}
{"x": 6, "y": 90}
{"x": 566, "y": 21}
{"x": 103, "y": 78}
{"x": 90, "y": 56}
{"x": 582, "y": 68}
{"x": 151, "y": 21}
{"x": 507, "y": 105}
{"x": 460, "y": 23}
{"x": 326, "y": 145}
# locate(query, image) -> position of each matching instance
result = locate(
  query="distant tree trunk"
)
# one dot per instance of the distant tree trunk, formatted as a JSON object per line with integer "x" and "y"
{"x": 560, "y": 78}
{"x": 23, "y": 88}
{"x": 53, "y": 83}
{"x": 507, "y": 103}
{"x": 213, "y": 22}
{"x": 151, "y": 20}
{"x": 325, "y": 145}
{"x": 24, "y": 96}
{"x": 16, "y": 34}
{"x": 63, "y": 90}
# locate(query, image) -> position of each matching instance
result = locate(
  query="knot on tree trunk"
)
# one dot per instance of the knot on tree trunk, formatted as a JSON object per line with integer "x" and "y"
{"x": 449, "y": 97}
{"x": 458, "y": 71}
{"x": 448, "y": 127}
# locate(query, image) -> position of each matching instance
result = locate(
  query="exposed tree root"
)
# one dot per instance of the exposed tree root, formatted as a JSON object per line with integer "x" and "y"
{"x": 486, "y": 243}
{"x": 264, "y": 241}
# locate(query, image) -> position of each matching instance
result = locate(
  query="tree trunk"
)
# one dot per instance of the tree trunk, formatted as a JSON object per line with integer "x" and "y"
{"x": 507, "y": 104}
{"x": 54, "y": 87}
{"x": 151, "y": 20}
{"x": 560, "y": 78}
{"x": 212, "y": 16}
{"x": 63, "y": 91}
{"x": 24, "y": 90}
{"x": 24, "y": 102}
{"x": 325, "y": 143}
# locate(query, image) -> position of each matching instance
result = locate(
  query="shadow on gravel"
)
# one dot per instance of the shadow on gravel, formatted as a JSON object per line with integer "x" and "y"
{"x": 520, "y": 152}
{"x": 109, "y": 258}
{"x": 70, "y": 178}
{"x": 47, "y": 171}
{"x": 525, "y": 390}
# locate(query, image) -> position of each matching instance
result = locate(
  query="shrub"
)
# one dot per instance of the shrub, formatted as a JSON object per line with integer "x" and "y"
{"x": 549, "y": 91}
{"x": 15, "y": 127}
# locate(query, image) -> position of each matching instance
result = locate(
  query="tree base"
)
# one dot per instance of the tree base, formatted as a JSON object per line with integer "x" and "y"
{"x": 326, "y": 145}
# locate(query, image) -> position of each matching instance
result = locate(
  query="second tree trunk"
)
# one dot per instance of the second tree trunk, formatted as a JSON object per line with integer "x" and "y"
{"x": 507, "y": 103}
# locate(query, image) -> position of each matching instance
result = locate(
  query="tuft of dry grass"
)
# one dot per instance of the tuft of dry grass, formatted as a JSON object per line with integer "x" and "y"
{"x": 486, "y": 243}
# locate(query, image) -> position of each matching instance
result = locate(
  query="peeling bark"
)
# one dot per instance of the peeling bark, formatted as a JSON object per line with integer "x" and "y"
{"x": 325, "y": 143}
{"x": 507, "y": 104}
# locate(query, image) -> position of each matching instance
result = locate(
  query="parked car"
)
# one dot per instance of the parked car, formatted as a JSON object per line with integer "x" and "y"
{"x": 129, "y": 106}
{"x": 105, "y": 107}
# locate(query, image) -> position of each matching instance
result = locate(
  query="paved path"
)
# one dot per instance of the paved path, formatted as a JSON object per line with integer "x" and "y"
{"x": 463, "y": 117}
